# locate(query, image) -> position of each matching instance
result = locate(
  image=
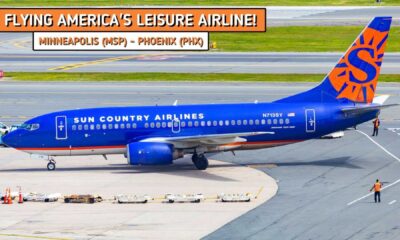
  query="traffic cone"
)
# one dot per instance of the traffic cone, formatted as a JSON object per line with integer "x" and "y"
{"x": 9, "y": 196}
{"x": 20, "y": 198}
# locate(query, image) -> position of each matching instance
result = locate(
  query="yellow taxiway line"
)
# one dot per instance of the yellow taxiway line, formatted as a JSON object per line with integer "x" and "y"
{"x": 32, "y": 237}
{"x": 100, "y": 61}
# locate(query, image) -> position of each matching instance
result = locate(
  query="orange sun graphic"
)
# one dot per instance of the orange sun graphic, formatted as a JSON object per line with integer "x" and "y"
{"x": 355, "y": 76}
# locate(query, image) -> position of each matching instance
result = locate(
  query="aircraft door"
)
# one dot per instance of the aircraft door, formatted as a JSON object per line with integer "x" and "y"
{"x": 61, "y": 128}
{"x": 176, "y": 125}
{"x": 310, "y": 120}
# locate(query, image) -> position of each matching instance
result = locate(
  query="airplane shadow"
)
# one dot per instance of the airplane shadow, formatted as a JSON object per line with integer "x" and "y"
{"x": 184, "y": 170}
{"x": 188, "y": 170}
{"x": 342, "y": 162}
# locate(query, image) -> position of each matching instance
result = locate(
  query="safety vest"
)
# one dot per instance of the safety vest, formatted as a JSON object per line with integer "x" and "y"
{"x": 376, "y": 123}
{"x": 377, "y": 187}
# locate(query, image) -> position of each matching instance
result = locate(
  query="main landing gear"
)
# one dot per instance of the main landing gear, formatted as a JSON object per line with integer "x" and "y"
{"x": 51, "y": 166}
{"x": 200, "y": 161}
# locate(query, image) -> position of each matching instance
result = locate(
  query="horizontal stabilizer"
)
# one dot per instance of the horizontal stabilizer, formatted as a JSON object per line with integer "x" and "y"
{"x": 380, "y": 99}
{"x": 359, "y": 110}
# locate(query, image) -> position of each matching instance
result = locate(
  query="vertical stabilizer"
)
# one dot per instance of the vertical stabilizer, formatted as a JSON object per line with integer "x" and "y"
{"x": 354, "y": 78}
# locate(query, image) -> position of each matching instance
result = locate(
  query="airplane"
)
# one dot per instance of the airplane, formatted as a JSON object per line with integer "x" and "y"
{"x": 157, "y": 135}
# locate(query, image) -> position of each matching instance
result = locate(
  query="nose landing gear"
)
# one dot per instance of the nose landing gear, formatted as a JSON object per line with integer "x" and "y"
{"x": 200, "y": 161}
{"x": 51, "y": 166}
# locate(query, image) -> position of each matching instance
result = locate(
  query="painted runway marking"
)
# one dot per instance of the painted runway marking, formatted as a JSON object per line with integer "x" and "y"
{"x": 386, "y": 151}
{"x": 369, "y": 194}
{"x": 100, "y": 61}
{"x": 32, "y": 237}
{"x": 392, "y": 202}
{"x": 380, "y": 146}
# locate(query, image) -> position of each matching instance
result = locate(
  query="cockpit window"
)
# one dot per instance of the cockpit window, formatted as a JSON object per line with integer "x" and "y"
{"x": 30, "y": 127}
{"x": 35, "y": 126}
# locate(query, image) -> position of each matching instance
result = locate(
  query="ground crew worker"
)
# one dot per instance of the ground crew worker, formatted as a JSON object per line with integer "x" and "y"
{"x": 377, "y": 189}
{"x": 376, "y": 123}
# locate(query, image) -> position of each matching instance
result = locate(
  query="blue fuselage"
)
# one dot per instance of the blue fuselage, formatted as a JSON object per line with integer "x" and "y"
{"x": 109, "y": 130}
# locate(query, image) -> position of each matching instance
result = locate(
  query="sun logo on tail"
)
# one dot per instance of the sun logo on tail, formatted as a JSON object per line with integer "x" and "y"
{"x": 355, "y": 76}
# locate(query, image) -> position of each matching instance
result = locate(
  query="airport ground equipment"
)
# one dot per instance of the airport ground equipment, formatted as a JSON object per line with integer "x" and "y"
{"x": 182, "y": 198}
{"x": 132, "y": 198}
{"x": 234, "y": 197}
{"x": 41, "y": 197}
{"x": 337, "y": 134}
{"x": 84, "y": 198}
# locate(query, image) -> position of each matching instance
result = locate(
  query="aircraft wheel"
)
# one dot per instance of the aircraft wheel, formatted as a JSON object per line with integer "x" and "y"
{"x": 51, "y": 166}
{"x": 200, "y": 162}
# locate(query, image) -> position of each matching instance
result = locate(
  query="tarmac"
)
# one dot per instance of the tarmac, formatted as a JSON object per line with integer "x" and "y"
{"x": 109, "y": 220}
{"x": 323, "y": 184}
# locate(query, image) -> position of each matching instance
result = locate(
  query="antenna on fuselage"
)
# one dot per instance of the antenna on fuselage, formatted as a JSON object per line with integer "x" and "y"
{"x": 175, "y": 103}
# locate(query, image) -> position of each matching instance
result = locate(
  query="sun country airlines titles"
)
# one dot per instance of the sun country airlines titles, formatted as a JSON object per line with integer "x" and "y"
{"x": 138, "y": 118}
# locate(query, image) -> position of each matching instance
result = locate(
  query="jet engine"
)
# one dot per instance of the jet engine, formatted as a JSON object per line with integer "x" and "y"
{"x": 151, "y": 153}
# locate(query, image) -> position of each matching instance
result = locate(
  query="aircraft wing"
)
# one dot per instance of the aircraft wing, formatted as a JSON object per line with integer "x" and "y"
{"x": 359, "y": 110}
{"x": 210, "y": 139}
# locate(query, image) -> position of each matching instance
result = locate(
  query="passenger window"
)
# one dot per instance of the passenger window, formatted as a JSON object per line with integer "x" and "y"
{"x": 79, "y": 127}
{"x": 215, "y": 123}
{"x": 257, "y": 122}
{"x": 73, "y": 127}
{"x": 134, "y": 125}
{"x": 104, "y": 126}
{"x": 146, "y": 125}
{"x": 116, "y": 126}
{"x": 183, "y": 124}
{"x": 226, "y": 122}
{"x": 110, "y": 126}
{"x": 169, "y": 124}
{"x": 91, "y": 126}
{"x": 164, "y": 124}
{"x": 221, "y": 123}
{"x": 263, "y": 122}
{"x": 269, "y": 121}
{"x": 122, "y": 126}
{"x": 128, "y": 125}
{"x": 202, "y": 123}
{"x": 239, "y": 122}
{"x": 251, "y": 122}
{"x": 244, "y": 122}
{"x": 233, "y": 122}
{"x": 196, "y": 123}
{"x": 281, "y": 121}
{"x": 209, "y": 123}
{"x": 86, "y": 127}
{"x": 158, "y": 124}
{"x": 275, "y": 121}
{"x": 287, "y": 121}
{"x": 190, "y": 124}
{"x": 152, "y": 125}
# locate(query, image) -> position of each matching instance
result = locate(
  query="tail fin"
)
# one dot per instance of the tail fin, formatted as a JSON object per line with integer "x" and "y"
{"x": 355, "y": 76}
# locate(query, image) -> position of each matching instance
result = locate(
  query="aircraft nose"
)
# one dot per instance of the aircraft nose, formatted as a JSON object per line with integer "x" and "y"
{"x": 10, "y": 139}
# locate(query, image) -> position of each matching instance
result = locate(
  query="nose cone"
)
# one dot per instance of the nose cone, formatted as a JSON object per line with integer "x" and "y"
{"x": 10, "y": 139}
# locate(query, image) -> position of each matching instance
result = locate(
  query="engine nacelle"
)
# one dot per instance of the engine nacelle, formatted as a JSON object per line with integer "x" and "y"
{"x": 150, "y": 153}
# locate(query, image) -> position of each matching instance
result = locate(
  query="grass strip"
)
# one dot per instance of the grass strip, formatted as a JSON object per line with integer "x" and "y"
{"x": 197, "y": 77}
{"x": 298, "y": 39}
